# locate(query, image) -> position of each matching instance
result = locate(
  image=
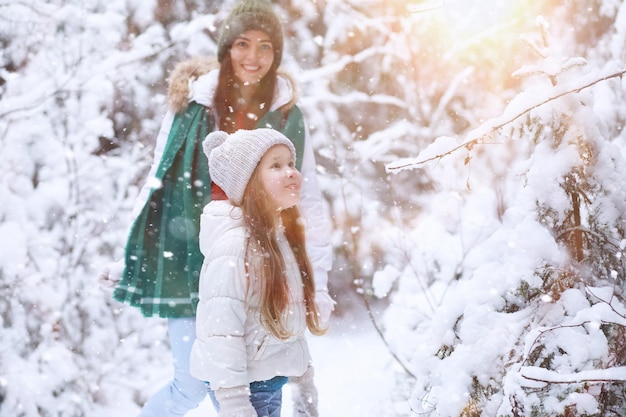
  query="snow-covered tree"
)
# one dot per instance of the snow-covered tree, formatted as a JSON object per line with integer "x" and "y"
{"x": 508, "y": 294}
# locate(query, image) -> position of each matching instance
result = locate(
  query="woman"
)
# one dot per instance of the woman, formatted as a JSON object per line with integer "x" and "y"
{"x": 162, "y": 258}
{"x": 257, "y": 294}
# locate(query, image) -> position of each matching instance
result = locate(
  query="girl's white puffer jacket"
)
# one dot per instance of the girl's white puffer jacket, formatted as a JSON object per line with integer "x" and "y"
{"x": 232, "y": 348}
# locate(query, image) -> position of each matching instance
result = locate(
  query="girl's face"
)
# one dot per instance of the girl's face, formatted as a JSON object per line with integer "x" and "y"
{"x": 279, "y": 177}
{"x": 252, "y": 56}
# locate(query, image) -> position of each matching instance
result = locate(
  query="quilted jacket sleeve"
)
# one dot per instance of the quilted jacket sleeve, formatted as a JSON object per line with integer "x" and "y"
{"x": 314, "y": 211}
{"x": 219, "y": 353}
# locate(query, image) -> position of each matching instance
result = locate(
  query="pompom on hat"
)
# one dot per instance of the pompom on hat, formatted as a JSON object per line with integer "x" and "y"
{"x": 251, "y": 15}
{"x": 233, "y": 158}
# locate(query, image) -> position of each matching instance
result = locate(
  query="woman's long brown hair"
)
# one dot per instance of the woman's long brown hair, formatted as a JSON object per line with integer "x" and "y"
{"x": 231, "y": 115}
{"x": 268, "y": 263}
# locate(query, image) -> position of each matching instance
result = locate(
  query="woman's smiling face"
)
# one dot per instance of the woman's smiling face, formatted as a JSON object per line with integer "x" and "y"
{"x": 252, "y": 56}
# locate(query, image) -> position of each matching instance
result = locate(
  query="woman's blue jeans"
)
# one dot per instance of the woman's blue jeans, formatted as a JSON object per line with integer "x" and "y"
{"x": 184, "y": 392}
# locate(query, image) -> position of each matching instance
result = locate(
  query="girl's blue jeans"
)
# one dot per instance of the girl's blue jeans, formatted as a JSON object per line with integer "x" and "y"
{"x": 267, "y": 403}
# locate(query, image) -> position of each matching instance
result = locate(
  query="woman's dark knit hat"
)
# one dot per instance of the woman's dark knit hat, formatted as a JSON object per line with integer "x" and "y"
{"x": 251, "y": 15}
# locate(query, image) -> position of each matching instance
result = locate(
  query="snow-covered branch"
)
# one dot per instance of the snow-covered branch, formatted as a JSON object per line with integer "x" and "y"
{"x": 330, "y": 70}
{"x": 605, "y": 312}
{"x": 608, "y": 303}
{"x": 595, "y": 376}
{"x": 520, "y": 106}
{"x": 354, "y": 98}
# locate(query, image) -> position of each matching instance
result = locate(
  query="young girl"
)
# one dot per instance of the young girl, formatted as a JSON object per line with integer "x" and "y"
{"x": 257, "y": 294}
{"x": 162, "y": 260}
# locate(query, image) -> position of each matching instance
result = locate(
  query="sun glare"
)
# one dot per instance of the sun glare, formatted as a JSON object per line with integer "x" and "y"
{"x": 480, "y": 36}
{"x": 467, "y": 17}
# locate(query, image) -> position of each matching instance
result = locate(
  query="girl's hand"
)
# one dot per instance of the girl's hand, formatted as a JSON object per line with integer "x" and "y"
{"x": 304, "y": 394}
{"x": 235, "y": 402}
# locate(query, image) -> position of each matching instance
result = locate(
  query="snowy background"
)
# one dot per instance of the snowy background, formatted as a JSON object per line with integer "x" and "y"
{"x": 472, "y": 155}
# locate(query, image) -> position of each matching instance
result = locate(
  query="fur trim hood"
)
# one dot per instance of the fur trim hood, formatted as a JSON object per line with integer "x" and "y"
{"x": 185, "y": 74}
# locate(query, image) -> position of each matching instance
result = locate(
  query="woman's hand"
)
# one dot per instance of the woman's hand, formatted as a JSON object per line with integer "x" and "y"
{"x": 111, "y": 274}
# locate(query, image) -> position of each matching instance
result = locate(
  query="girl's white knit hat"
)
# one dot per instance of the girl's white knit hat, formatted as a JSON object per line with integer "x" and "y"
{"x": 233, "y": 158}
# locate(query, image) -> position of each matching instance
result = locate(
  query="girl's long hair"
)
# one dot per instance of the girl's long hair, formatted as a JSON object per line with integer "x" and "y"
{"x": 263, "y": 255}
{"x": 229, "y": 113}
